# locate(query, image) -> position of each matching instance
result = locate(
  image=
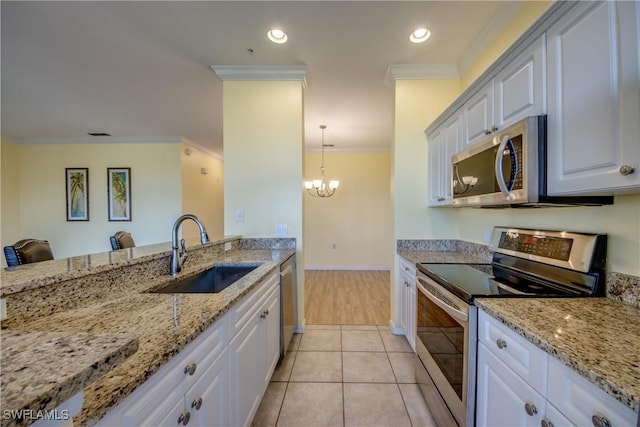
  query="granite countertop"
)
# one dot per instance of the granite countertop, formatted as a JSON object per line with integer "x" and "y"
{"x": 57, "y": 365}
{"x": 438, "y": 257}
{"x": 150, "y": 318}
{"x": 597, "y": 337}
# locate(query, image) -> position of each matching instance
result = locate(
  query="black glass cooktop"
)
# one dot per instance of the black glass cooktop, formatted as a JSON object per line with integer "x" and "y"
{"x": 469, "y": 281}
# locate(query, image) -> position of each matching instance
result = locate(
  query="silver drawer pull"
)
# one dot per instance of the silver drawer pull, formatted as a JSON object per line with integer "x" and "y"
{"x": 530, "y": 408}
{"x": 546, "y": 423}
{"x": 184, "y": 418}
{"x": 600, "y": 421}
{"x": 501, "y": 343}
{"x": 190, "y": 369}
{"x": 626, "y": 170}
{"x": 197, "y": 403}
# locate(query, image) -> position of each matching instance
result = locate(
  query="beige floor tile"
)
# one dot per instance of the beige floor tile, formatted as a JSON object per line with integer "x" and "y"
{"x": 395, "y": 343}
{"x": 374, "y": 405}
{"x": 359, "y": 328}
{"x": 317, "y": 366}
{"x": 269, "y": 409}
{"x": 418, "y": 410}
{"x": 366, "y": 368}
{"x": 403, "y": 365}
{"x": 312, "y": 404}
{"x": 320, "y": 340}
{"x": 321, "y": 327}
{"x": 361, "y": 341}
{"x": 283, "y": 370}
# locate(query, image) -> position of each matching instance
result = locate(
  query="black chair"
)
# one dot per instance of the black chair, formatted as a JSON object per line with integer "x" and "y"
{"x": 27, "y": 251}
{"x": 121, "y": 240}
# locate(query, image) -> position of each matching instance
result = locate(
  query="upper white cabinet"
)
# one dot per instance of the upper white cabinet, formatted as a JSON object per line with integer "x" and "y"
{"x": 443, "y": 143}
{"x": 594, "y": 100}
{"x": 517, "y": 91}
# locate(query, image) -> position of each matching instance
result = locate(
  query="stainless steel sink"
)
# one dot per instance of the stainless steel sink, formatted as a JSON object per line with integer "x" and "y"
{"x": 213, "y": 280}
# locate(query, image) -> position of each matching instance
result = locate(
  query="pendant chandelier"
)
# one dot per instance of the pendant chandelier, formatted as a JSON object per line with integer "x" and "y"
{"x": 320, "y": 187}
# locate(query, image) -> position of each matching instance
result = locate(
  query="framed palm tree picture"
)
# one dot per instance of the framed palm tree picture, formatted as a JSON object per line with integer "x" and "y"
{"x": 77, "y": 185}
{"x": 119, "y": 193}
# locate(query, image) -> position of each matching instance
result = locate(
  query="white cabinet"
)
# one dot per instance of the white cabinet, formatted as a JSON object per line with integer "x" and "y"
{"x": 408, "y": 307}
{"x": 518, "y": 384}
{"x": 516, "y": 91}
{"x": 255, "y": 349}
{"x": 503, "y": 398}
{"x": 594, "y": 100}
{"x": 443, "y": 143}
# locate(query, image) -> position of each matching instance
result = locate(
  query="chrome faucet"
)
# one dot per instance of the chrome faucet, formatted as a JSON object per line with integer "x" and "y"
{"x": 179, "y": 255}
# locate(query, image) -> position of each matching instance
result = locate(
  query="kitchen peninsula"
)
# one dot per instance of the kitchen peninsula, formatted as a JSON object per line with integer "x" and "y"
{"x": 103, "y": 299}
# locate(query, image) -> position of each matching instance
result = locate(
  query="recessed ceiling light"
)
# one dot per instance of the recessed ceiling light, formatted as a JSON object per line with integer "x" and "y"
{"x": 276, "y": 35}
{"x": 420, "y": 35}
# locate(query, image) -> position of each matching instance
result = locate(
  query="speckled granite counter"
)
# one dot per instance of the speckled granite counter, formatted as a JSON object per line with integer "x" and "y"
{"x": 120, "y": 304}
{"x": 416, "y": 257}
{"x": 56, "y": 366}
{"x": 597, "y": 337}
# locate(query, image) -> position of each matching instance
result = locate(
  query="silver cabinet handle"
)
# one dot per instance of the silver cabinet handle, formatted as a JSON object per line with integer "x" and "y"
{"x": 599, "y": 420}
{"x": 530, "y": 408}
{"x": 441, "y": 199}
{"x": 184, "y": 418}
{"x": 487, "y": 132}
{"x": 546, "y": 422}
{"x": 197, "y": 404}
{"x": 501, "y": 343}
{"x": 626, "y": 170}
{"x": 494, "y": 128}
{"x": 190, "y": 369}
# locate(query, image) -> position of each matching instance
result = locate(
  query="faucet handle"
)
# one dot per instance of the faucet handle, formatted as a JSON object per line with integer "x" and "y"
{"x": 183, "y": 247}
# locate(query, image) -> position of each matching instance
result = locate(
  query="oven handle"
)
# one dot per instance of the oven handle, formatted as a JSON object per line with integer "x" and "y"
{"x": 498, "y": 168}
{"x": 452, "y": 311}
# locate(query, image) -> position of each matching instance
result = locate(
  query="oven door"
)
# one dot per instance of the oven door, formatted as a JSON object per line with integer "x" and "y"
{"x": 446, "y": 347}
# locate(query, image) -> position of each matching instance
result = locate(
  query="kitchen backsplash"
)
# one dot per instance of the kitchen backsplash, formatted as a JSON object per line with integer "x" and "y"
{"x": 620, "y": 287}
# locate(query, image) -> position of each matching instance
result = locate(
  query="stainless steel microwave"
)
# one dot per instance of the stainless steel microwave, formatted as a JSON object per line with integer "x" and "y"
{"x": 509, "y": 169}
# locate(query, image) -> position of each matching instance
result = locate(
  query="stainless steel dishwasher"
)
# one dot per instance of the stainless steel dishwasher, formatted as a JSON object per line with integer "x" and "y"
{"x": 288, "y": 299}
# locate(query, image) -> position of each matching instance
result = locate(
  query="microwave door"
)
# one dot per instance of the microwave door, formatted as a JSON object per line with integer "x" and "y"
{"x": 506, "y": 159}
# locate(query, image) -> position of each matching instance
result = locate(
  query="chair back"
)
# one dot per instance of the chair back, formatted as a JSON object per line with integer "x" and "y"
{"x": 27, "y": 251}
{"x": 121, "y": 240}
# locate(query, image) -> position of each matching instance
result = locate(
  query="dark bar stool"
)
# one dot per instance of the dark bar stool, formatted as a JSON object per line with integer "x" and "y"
{"x": 27, "y": 251}
{"x": 122, "y": 240}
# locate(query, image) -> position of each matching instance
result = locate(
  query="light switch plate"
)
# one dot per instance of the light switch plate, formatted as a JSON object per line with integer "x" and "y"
{"x": 3, "y": 309}
{"x": 239, "y": 215}
{"x": 486, "y": 235}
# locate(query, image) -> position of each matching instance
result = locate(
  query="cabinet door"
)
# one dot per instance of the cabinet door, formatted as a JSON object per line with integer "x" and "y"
{"x": 452, "y": 144}
{"x": 503, "y": 399}
{"x": 206, "y": 400}
{"x": 271, "y": 334}
{"x": 478, "y": 116}
{"x": 434, "y": 141}
{"x": 594, "y": 100}
{"x": 404, "y": 304}
{"x": 245, "y": 372}
{"x": 519, "y": 88}
{"x": 411, "y": 317}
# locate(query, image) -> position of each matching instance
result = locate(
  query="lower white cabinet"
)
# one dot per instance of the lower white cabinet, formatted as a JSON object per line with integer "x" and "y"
{"x": 220, "y": 377}
{"x": 408, "y": 307}
{"x": 519, "y": 384}
{"x": 254, "y": 353}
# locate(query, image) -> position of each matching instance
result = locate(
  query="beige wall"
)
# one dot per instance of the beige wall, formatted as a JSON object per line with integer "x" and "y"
{"x": 156, "y": 194}
{"x": 202, "y": 194}
{"x": 263, "y": 162}
{"x": 356, "y": 219}
{"x": 10, "y": 198}
{"x": 531, "y": 11}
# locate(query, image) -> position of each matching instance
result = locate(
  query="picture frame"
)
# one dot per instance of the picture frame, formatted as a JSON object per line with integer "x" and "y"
{"x": 119, "y": 194}
{"x": 77, "y": 194}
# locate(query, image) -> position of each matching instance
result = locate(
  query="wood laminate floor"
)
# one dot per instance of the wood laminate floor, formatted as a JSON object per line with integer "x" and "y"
{"x": 347, "y": 297}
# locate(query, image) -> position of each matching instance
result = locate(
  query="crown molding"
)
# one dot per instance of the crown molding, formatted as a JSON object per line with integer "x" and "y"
{"x": 101, "y": 139}
{"x": 493, "y": 29}
{"x": 261, "y": 72}
{"x": 420, "y": 72}
{"x": 202, "y": 148}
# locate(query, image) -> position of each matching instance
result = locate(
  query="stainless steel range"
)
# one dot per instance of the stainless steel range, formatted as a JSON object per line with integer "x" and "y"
{"x": 526, "y": 263}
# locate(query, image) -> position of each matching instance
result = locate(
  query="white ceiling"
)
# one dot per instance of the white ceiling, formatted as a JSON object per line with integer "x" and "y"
{"x": 143, "y": 69}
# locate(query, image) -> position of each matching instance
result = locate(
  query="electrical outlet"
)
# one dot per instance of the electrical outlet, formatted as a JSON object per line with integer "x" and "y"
{"x": 3, "y": 309}
{"x": 282, "y": 229}
{"x": 239, "y": 215}
{"x": 486, "y": 235}
{"x": 227, "y": 246}
{"x": 333, "y": 246}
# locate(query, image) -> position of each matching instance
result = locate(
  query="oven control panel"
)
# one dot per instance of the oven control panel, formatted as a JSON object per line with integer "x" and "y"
{"x": 545, "y": 246}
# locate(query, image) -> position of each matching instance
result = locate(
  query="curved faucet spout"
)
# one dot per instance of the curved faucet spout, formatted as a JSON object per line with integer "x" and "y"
{"x": 179, "y": 254}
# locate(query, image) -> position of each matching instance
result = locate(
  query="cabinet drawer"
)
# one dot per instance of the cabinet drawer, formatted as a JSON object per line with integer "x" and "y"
{"x": 407, "y": 268}
{"x": 579, "y": 399}
{"x": 250, "y": 304}
{"x": 523, "y": 357}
